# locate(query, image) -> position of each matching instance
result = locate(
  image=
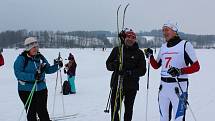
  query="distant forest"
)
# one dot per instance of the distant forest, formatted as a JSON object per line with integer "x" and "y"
{"x": 94, "y": 39}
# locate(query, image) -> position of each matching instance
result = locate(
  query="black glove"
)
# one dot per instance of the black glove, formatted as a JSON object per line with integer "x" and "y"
{"x": 173, "y": 71}
{"x": 121, "y": 72}
{"x": 148, "y": 52}
{"x": 42, "y": 67}
{"x": 125, "y": 73}
{"x": 122, "y": 36}
{"x": 114, "y": 65}
{"x": 40, "y": 71}
{"x": 37, "y": 75}
{"x": 64, "y": 70}
{"x": 58, "y": 62}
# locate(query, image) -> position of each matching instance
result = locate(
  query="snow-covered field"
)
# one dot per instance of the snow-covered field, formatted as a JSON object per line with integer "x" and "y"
{"x": 92, "y": 81}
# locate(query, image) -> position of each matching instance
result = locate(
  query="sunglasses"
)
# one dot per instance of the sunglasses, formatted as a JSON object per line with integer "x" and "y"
{"x": 131, "y": 36}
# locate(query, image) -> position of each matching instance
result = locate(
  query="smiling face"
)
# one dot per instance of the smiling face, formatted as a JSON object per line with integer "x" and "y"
{"x": 168, "y": 33}
{"x": 33, "y": 51}
{"x": 130, "y": 40}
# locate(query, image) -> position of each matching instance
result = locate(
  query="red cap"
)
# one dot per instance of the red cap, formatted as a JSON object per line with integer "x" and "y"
{"x": 130, "y": 33}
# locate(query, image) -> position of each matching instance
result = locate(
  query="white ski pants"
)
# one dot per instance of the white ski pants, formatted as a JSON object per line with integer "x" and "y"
{"x": 170, "y": 96}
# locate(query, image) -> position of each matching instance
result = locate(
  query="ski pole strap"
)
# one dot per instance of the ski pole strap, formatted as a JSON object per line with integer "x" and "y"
{"x": 171, "y": 80}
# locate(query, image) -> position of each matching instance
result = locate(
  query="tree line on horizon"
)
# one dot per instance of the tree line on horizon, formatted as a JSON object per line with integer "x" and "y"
{"x": 94, "y": 39}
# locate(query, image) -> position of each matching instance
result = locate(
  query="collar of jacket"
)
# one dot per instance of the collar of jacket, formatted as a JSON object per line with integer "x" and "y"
{"x": 133, "y": 47}
{"x": 174, "y": 41}
{"x": 37, "y": 57}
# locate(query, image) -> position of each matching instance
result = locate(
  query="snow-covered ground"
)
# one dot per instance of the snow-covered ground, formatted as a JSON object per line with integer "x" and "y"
{"x": 92, "y": 81}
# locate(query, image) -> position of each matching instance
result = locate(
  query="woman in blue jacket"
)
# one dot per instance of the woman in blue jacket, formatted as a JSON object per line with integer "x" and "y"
{"x": 30, "y": 68}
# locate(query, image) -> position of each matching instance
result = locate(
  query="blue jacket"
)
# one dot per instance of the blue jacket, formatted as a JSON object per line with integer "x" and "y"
{"x": 25, "y": 68}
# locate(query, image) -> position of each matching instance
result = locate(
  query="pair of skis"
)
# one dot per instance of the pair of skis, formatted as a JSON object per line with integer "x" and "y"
{"x": 65, "y": 117}
{"x": 119, "y": 90}
{"x": 120, "y": 78}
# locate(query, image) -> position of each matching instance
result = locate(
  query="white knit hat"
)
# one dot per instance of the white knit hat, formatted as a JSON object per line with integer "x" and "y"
{"x": 171, "y": 25}
{"x": 30, "y": 42}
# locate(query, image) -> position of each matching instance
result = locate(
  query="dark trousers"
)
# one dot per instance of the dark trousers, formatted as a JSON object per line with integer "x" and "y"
{"x": 129, "y": 97}
{"x": 38, "y": 105}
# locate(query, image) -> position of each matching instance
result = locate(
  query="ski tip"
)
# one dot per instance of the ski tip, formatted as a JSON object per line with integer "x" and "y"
{"x": 119, "y": 7}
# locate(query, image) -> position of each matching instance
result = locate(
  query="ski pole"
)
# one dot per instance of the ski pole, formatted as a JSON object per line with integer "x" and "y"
{"x": 121, "y": 97}
{"x": 58, "y": 72}
{"x": 30, "y": 97}
{"x": 184, "y": 99}
{"x": 62, "y": 95}
{"x": 28, "y": 102}
{"x": 147, "y": 91}
{"x": 107, "y": 109}
{"x": 55, "y": 94}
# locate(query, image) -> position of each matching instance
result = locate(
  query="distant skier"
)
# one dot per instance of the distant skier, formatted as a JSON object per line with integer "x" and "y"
{"x": 70, "y": 69}
{"x": 134, "y": 66}
{"x": 103, "y": 48}
{"x": 30, "y": 68}
{"x": 177, "y": 59}
{"x": 1, "y": 57}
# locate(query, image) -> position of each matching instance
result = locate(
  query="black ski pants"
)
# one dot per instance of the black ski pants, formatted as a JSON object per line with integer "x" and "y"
{"x": 38, "y": 105}
{"x": 129, "y": 96}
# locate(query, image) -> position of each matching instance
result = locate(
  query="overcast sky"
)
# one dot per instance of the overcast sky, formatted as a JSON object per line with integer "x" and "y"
{"x": 192, "y": 16}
